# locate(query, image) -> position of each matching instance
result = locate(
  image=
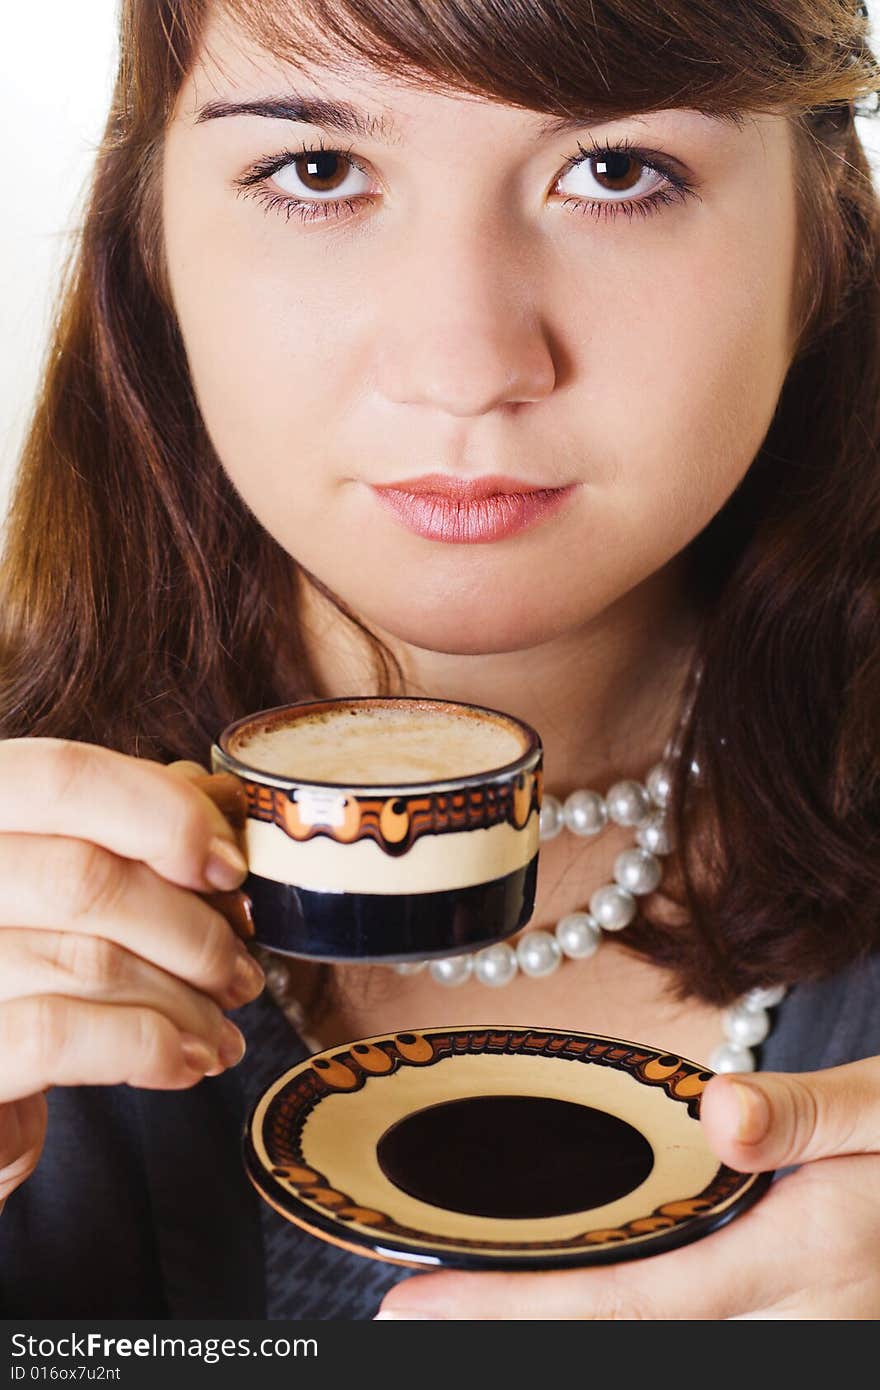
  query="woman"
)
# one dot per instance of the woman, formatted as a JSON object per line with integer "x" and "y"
{"x": 616, "y": 254}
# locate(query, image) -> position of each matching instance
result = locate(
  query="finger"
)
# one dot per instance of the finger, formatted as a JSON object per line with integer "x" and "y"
{"x": 131, "y": 806}
{"x": 229, "y": 797}
{"x": 777, "y": 1119}
{"x": 226, "y": 791}
{"x": 60, "y": 884}
{"x": 727, "y": 1273}
{"x": 22, "y": 1132}
{"x": 91, "y": 967}
{"x": 185, "y": 767}
{"x": 50, "y": 1040}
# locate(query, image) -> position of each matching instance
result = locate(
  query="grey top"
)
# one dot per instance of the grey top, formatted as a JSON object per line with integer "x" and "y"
{"x": 140, "y": 1207}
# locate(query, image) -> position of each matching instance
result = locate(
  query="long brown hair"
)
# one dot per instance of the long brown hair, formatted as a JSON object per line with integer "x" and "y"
{"x": 144, "y": 606}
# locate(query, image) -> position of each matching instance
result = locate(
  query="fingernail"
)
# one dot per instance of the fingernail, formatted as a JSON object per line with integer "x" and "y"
{"x": 232, "y": 1044}
{"x": 225, "y": 866}
{"x": 247, "y": 978}
{"x": 754, "y": 1113}
{"x": 197, "y": 1054}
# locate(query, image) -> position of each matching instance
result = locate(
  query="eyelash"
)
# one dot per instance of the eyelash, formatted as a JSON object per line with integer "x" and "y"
{"x": 677, "y": 189}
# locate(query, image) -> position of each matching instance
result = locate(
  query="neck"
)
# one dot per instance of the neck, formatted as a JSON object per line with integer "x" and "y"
{"x": 604, "y": 696}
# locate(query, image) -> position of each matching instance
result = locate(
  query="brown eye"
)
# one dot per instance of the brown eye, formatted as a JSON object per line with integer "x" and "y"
{"x": 609, "y": 177}
{"x": 323, "y": 174}
{"x": 322, "y": 171}
{"x": 620, "y": 172}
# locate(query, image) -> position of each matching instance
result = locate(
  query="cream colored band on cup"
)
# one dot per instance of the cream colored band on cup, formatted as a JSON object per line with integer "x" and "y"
{"x": 433, "y": 864}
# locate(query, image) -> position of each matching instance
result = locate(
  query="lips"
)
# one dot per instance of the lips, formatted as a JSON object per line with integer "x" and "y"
{"x": 464, "y": 489}
{"x": 469, "y": 510}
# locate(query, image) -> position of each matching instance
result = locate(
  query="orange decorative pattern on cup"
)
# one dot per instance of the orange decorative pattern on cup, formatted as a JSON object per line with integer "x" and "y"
{"x": 393, "y": 866}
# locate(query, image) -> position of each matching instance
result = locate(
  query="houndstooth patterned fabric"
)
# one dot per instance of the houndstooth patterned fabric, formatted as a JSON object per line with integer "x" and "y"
{"x": 305, "y": 1277}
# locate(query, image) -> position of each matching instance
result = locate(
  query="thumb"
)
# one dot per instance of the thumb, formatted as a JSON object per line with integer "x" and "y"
{"x": 770, "y": 1121}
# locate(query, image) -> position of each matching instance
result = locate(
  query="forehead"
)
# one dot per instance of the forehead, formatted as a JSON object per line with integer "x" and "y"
{"x": 253, "y": 59}
{"x": 265, "y": 65}
{"x": 584, "y": 61}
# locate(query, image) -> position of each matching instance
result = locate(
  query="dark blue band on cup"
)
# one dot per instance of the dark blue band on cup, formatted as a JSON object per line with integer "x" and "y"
{"x": 378, "y": 926}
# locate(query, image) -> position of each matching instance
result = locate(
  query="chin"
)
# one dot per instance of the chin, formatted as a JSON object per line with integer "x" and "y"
{"x": 454, "y": 632}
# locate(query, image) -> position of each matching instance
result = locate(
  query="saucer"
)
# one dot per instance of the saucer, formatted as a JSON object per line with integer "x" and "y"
{"x": 494, "y": 1147}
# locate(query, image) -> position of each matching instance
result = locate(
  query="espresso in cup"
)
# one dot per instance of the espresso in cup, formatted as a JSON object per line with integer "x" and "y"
{"x": 386, "y": 828}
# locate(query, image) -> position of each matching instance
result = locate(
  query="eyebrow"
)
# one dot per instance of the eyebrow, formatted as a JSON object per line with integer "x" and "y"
{"x": 331, "y": 115}
{"x": 559, "y": 125}
{"x": 343, "y": 116}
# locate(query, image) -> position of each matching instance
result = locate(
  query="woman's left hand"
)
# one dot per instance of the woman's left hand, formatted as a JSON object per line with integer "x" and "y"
{"x": 809, "y": 1249}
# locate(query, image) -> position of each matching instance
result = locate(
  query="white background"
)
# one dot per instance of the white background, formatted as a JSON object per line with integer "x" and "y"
{"x": 56, "y": 69}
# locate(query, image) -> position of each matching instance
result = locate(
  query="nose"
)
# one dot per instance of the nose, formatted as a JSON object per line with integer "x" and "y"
{"x": 460, "y": 330}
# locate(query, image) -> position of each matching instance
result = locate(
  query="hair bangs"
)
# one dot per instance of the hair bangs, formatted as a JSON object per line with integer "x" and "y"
{"x": 606, "y": 60}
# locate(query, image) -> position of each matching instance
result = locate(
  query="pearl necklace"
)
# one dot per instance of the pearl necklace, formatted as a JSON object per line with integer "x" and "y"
{"x": 612, "y": 907}
{"x": 577, "y": 935}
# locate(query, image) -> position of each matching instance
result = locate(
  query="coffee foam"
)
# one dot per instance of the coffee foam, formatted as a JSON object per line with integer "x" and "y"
{"x": 376, "y": 745}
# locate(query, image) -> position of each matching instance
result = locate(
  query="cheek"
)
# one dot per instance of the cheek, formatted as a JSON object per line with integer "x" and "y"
{"x": 705, "y": 347}
{"x": 263, "y": 354}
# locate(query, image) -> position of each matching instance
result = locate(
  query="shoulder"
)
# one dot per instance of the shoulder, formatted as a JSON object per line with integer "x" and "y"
{"x": 827, "y": 1023}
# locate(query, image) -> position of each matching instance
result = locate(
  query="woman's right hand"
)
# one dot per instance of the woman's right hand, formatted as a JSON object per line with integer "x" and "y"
{"x": 112, "y": 968}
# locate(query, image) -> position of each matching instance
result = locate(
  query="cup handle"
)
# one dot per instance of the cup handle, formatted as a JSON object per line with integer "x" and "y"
{"x": 228, "y": 795}
{"x": 237, "y": 908}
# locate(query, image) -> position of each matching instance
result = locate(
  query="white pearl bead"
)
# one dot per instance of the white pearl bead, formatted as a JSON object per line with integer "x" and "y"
{"x": 747, "y": 1027}
{"x": 495, "y": 965}
{"x": 538, "y": 953}
{"x": 637, "y": 871}
{"x": 628, "y": 803}
{"x": 277, "y": 978}
{"x": 409, "y": 967}
{"x": 764, "y": 998}
{"x": 659, "y": 784}
{"x": 585, "y": 813}
{"x": 613, "y": 907}
{"x": 655, "y": 835}
{"x": 578, "y": 934}
{"x": 452, "y": 970}
{"x": 294, "y": 1012}
{"x": 550, "y": 821}
{"x": 729, "y": 1057}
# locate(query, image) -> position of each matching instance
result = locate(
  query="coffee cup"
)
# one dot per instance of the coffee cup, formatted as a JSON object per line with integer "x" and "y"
{"x": 386, "y": 828}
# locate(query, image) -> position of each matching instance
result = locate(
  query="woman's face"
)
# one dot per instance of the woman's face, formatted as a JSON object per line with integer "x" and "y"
{"x": 472, "y": 305}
